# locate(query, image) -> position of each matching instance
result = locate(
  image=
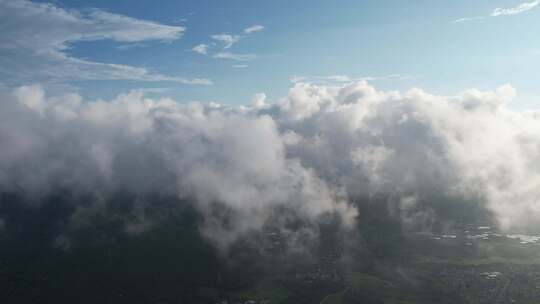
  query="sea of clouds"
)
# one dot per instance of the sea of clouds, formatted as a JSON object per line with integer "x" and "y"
{"x": 311, "y": 153}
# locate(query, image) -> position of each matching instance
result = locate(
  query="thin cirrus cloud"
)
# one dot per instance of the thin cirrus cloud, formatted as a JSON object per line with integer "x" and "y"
{"x": 497, "y": 12}
{"x": 227, "y": 41}
{"x": 461, "y": 20}
{"x": 253, "y": 29}
{"x": 36, "y": 36}
{"x": 523, "y": 7}
{"x": 235, "y": 56}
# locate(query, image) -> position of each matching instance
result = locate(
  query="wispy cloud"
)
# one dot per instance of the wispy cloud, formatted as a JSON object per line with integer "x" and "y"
{"x": 497, "y": 12}
{"x": 240, "y": 66}
{"x": 181, "y": 20}
{"x": 460, "y": 20}
{"x": 235, "y": 56}
{"x": 226, "y": 39}
{"x": 201, "y": 49}
{"x": 253, "y": 29}
{"x": 89, "y": 70}
{"x": 523, "y": 7}
{"x": 36, "y": 35}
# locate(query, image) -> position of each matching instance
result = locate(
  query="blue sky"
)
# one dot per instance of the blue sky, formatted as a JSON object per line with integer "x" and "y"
{"x": 441, "y": 46}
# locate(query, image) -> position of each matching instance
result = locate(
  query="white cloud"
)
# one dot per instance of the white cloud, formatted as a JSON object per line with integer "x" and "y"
{"x": 211, "y": 155}
{"x": 461, "y": 20}
{"x": 470, "y": 147}
{"x": 523, "y": 7}
{"x": 235, "y": 56}
{"x": 201, "y": 49}
{"x": 311, "y": 153}
{"x": 226, "y": 39}
{"x": 105, "y": 25}
{"x": 36, "y": 36}
{"x": 258, "y": 100}
{"x": 63, "y": 67}
{"x": 240, "y": 66}
{"x": 253, "y": 29}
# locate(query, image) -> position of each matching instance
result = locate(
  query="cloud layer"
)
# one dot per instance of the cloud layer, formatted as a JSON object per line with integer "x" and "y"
{"x": 312, "y": 153}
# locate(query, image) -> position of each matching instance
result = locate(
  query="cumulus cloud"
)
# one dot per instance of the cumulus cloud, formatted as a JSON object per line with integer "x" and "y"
{"x": 253, "y": 29}
{"x": 258, "y": 100}
{"x": 311, "y": 153}
{"x": 36, "y": 36}
{"x": 214, "y": 156}
{"x": 374, "y": 142}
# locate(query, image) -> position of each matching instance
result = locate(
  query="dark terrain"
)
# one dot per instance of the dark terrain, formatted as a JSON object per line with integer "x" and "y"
{"x": 45, "y": 258}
